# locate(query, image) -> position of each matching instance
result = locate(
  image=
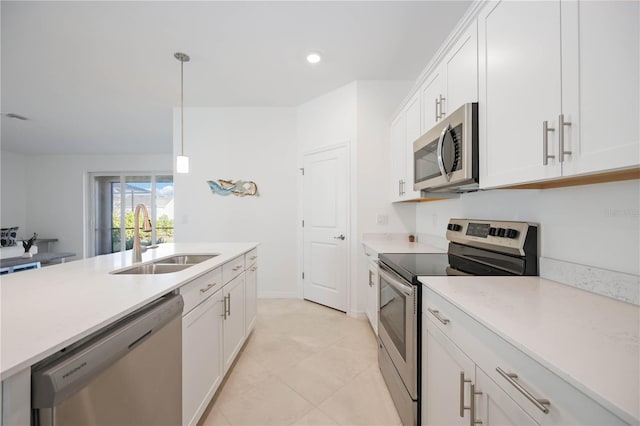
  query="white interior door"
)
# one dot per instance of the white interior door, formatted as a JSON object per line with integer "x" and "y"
{"x": 326, "y": 184}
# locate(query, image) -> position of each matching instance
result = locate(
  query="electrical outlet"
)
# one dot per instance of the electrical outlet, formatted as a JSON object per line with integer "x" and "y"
{"x": 382, "y": 219}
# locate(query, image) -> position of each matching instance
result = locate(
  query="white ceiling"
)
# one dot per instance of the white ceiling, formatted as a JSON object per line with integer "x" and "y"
{"x": 100, "y": 77}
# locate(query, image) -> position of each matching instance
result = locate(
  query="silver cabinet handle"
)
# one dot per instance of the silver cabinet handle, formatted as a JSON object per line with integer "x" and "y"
{"x": 236, "y": 268}
{"x": 207, "y": 288}
{"x": 224, "y": 308}
{"x": 340, "y": 237}
{"x": 442, "y": 113}
{"x": 254, "y": 257}
{"x": 399, "y": 187}
{"x": 437, "y": 114}
{"x": 462, "y": 382}
{"x": 254, "y": 269}
{"x": 437, "y": 315}
{"x": 511, "y": 378}
{"x": 561, "y": 124}
{"x": 472, "y": 407}
{"x": 229, "y": 308}
{"x": 545, "y": 142}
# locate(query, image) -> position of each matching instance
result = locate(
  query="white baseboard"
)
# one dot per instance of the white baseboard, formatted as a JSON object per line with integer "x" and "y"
{"x": 278, "y": 295}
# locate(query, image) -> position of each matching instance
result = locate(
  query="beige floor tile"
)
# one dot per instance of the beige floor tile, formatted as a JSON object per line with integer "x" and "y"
{"x": 270, "y": 402}
{"x": 215, "y": 418}
{"x": 314, "y": 386}
{"x": 363, "y": 401}
{"x": 305, "y": 364}
{"x": 315, "y": 418}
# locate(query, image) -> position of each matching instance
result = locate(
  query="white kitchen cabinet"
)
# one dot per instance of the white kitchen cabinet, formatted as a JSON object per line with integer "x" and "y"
{"x": 557, "y": 99}
{"x": 251, "y": 282}
{"x": 397, "y": 154}
{"x": 405, "y": 129}
{"x": 600, "y": 85}
{"x": 494, "y": 407}
{"x": 201, "y": 357}
{"x": 372, "y": 285}
{"x": 454, "y": 340}
{"x": 234, "y": 318}
{"x": 454, "y": 82}
{"x": 519, "y": 89}
{"x": 447, "y": 376}
{"x": 432, "y": 92}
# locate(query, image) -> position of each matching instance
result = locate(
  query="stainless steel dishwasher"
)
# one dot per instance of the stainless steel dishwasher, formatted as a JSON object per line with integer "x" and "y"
{"x": 127, "y": 374}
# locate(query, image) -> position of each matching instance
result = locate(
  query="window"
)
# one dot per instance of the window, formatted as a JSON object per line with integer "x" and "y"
{"x": 115, "y": 197}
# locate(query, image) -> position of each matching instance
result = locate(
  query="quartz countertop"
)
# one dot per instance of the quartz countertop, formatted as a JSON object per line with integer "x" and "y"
{"x": 394, "y": 244}
{"x": 589, "y": 340}
{"x": 45, "y": 310}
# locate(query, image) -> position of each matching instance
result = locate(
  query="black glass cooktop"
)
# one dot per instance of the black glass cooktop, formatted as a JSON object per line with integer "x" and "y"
{"x": 412, "y": 265}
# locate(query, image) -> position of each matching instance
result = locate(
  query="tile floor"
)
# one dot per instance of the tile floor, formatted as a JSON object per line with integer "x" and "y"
{"x": 304, "y": 364}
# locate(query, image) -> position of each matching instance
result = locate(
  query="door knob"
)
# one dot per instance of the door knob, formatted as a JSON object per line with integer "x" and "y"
{"x": 340, "y": 237}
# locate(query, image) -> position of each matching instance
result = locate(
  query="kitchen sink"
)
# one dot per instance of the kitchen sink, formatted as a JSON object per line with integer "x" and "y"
{"x": 185, "y": 259}
{"x": 167, "y": 265}
{"x": 152, "y": 269}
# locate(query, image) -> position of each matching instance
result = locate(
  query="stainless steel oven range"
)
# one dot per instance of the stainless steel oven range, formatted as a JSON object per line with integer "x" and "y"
{"x": 476, "y": 247}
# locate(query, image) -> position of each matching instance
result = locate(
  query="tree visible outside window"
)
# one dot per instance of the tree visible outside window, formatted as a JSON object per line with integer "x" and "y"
{"x": 116, "y": 198}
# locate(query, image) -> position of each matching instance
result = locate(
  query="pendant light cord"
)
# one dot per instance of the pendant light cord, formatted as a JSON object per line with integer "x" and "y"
{"x": 182, "y": 107}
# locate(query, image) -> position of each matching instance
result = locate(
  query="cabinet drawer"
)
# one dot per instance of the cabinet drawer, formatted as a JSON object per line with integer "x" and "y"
{"x": 200, "y": 288}
{"x": 232, "y": 269}
{"x": 251, "y": 258}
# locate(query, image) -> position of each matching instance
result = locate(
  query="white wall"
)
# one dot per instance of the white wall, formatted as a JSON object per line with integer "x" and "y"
{"x": 56, "y": 192}
{"x": 594, "y": 225}
{"x": 13, "y": 200}
{"x": 256, "y": 144}
{"x": 358, "y": 114}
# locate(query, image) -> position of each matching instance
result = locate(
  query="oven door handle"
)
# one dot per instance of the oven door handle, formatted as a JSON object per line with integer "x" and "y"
{"x": 395, "y": 280}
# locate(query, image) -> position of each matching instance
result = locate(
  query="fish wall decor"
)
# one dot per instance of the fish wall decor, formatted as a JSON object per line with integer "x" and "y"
{"x": 239, "y": 188}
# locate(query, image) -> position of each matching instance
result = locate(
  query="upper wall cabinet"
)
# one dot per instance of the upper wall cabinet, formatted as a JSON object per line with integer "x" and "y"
{"x": 556, "y": 97}
{"x": 454, "y": 82}
{"x": 405, "y": 128}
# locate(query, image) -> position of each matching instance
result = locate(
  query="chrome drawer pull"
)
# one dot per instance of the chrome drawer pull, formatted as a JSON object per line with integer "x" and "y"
{"x": 236, "y": 268}
{"x": 539, "y": 403}
{"x": 254, "y": 269}
{"x": 561, "y": 124}
{"x": 254, "y": 257}
{"x": 437, "y": 315}
{"x": 545, "y": 142}
{"x": 207, "y": 288}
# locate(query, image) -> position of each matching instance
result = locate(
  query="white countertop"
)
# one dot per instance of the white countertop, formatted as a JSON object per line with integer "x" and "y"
{"x": 389, "y": 244}
{"x": 590, "y": 341}
{"x": 44, "y": 310}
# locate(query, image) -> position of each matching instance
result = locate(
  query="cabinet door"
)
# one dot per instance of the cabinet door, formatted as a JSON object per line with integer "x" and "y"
{"x": 432, "y": 91}
{"x": 398, "y": 156}
{"x": 447, "y": 374}
{"x": 234, "y": 317}
{"x": 494, "y": 407}
{"x": 600, "y": 85}
{"x": 461, "y": 70}
{"x": 519, "y": 89}
{"x": 372, "y": 294}
{"x": 414, "y": 130}
{"x": 251, "y": 301}
{"x": 201, "y": 357}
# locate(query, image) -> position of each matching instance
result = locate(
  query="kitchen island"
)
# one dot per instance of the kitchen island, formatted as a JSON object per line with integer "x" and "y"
{"x": 45, "y": 310}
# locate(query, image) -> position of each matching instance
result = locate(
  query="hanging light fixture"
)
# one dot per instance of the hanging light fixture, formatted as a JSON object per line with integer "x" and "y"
{"x": 182, "y": 161}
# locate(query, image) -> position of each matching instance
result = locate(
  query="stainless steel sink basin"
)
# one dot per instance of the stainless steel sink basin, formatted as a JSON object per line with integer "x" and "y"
{"x": 185, "y": 259}
{"x": 153, "y": 269}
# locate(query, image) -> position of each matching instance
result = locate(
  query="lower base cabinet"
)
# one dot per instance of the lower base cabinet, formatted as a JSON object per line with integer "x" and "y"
{"x": 472, "y": 376}
{"x": 234, "y": 317}
{"x": 201, "y": 357}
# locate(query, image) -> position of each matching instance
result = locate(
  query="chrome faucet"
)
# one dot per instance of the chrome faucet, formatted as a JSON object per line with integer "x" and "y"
{"x": 146, "y": 226}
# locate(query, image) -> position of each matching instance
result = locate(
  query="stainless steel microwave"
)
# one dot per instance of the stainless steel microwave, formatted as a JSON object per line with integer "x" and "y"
{"x": 446, "y": 157}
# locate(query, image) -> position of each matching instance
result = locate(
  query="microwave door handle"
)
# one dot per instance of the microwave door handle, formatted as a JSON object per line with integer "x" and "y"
{"x": 440, "y": 147}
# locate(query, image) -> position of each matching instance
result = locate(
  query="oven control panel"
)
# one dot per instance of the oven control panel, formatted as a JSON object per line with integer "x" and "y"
{"x": 501, "y": 236}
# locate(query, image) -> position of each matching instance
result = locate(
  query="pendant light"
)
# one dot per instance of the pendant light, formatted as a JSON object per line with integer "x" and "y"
{"x": 182, "y": 161}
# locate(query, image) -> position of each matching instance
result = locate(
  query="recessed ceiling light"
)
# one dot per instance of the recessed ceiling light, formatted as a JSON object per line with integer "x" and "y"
{"x": 314, "y": 58}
